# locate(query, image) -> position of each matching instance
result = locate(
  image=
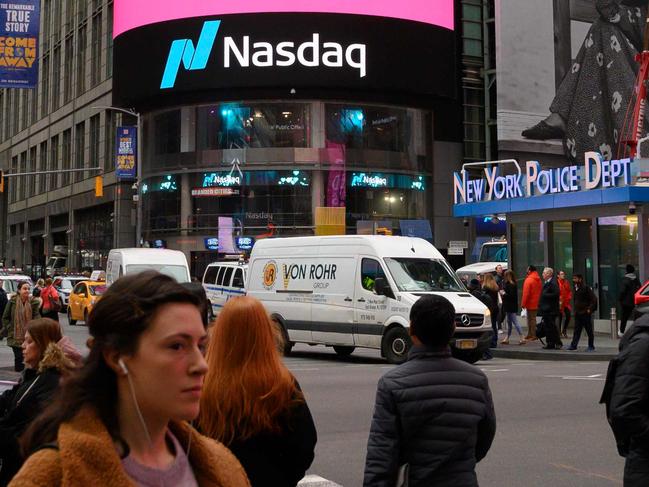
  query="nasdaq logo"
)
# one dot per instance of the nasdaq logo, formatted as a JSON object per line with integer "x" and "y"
{"x": 192, "y": 57}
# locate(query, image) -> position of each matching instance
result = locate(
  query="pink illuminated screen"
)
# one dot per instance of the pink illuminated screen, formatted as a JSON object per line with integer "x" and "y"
{"x": 130, "y": 14}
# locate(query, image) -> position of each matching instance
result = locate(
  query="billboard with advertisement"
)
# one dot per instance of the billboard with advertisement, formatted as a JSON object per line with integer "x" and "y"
{"x": 566, "y": 74}
{"x": 234, "y": 50}
{"x": 125, "y": 153}
{"x": 130, "y": 14}
{"x": 19, "y": 23}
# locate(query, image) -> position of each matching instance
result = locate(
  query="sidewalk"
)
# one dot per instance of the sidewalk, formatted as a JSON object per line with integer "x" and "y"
{"x": 605, "y": 349}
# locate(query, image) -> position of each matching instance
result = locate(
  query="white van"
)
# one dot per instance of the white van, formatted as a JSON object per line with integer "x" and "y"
{"x": 357, "y": 290}
{"x": 222, "y": 281}
{"x": 131, "y": 261}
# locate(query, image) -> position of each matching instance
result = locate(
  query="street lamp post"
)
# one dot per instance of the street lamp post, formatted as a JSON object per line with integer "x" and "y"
{"x": 138, "y": 169}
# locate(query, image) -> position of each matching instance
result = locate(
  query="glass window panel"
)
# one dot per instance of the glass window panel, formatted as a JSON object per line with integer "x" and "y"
{"x": 618, "y": 246}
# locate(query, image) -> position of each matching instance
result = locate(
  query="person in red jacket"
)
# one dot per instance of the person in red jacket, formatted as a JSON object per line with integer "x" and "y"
{"x": 531, "y": 294}
{"x": 565, "y": 295}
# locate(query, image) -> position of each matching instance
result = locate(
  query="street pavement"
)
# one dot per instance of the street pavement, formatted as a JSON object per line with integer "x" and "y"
{"x": 551, "y": 431}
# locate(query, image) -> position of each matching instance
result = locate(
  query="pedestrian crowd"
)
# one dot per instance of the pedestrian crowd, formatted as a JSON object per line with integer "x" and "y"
{"x": 167, "y": 398}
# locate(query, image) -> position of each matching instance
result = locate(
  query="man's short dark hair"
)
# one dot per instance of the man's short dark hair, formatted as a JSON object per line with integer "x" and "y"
{"x": 531, "y": 268}
{"x": 578, "y": 276}
{"x": 630, "y": 269}
{"x": 432, "y": 320}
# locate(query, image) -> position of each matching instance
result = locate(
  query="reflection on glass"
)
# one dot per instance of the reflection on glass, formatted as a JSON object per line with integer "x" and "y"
{"x": 618, "y": 244}
{"x": 422, "y": 275}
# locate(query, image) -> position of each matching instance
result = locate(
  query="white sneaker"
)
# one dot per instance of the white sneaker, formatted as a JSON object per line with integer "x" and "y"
{"x": 620, "y": 334}
{"x": 500, "y": 332}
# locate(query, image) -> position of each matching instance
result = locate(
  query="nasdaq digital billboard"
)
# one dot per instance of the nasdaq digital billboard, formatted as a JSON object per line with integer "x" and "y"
{"x": 173, "y": 50}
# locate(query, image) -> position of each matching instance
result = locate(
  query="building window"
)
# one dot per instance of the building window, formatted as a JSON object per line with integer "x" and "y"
{"x": 32, "y": 168}
{"x": 22, "y": 183}
{"x": 46, "y": 16}
{"x": 2, "y": 119}
{"x": 13, "y": 181}
{"x": 81, "y": 58}
{"x": 94, "y": 142}
{"x": 368, "y": 127}
{"x": 95, "y": 49}
{"x": 68, "y": 69}
{"x": 33, "y": 110}
{"x": 109, "y": 143}
{"x": 45, "y": 85}
{"x": 82, "y": 10}
{"x": 24, "y": 109}
{"x": 56, "y": 77}
{"x": 227, "y": 126}
{"x": 79, "y": 150}
{"x": 42, "y": 167}
{"x": 109, "y": 41}
{"x": 54, "y": 162}
{"x": 67, "y": 157}
{"x": 167, "y": 132}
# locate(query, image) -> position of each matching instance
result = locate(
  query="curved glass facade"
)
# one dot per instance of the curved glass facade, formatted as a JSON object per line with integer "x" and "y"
{"x": 264, "y": 167}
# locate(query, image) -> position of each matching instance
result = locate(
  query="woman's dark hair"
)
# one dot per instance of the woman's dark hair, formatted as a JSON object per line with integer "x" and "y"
{"x": 116, "y": 323}
{"x": 510, "y": 277}
{"x": 44, "y": 331}
{"x": 21, "y": 284}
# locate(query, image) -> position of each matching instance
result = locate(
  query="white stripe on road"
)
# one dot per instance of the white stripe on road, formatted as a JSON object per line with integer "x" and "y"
{"x": 577, "y": 377}
{"x": 316, "y": 481}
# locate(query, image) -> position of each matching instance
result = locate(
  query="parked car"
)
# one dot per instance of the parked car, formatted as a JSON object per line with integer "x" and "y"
{"x": 10, "y": 283}
{"x": 66, "y": 287}
{"x": 222, "y": 281}
{"x": 641, "y": 300}
{"x": 83, "y": 297}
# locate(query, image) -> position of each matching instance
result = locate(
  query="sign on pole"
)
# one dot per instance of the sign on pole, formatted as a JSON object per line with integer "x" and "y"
{"x": 462, "y": 244}
{"x": 455, "y": 251}
{"x": 19, "y": 23}
{"x": 126, "y": 153}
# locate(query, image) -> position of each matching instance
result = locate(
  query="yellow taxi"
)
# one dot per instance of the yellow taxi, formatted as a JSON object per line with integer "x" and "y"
{"x": 82, "y": 298}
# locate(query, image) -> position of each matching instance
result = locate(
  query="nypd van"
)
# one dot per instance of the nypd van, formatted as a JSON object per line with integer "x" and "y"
{"x": 222, "y": 281}
{"x": 357, "y": 290}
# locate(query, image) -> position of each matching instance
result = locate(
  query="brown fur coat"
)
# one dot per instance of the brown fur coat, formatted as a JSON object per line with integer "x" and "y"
{"x": 87, "y": 456}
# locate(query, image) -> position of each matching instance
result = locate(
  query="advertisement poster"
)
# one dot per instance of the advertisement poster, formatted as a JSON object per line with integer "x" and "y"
{"x": 126, "y": 152}
{"x": 19, "y": 23}
{"x": 336, "y": 191}
{"x": 566, "y": 76}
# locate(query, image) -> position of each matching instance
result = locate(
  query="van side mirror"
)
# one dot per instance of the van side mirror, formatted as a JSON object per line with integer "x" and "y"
{"x": 382, "y": 287}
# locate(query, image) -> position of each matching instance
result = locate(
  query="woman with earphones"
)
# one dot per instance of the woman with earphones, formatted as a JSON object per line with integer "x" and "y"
{"x": 121, "y": 420}
{"x": 251, "y": 402}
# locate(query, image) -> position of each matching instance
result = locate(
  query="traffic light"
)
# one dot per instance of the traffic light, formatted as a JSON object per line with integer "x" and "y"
{"x": 99, "y": 186}
{"x": 2, "y": 181}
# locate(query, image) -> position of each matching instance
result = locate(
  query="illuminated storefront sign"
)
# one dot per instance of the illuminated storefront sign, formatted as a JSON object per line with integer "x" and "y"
{"x": 596, "y": 173}
{"x": 381, "y": 180}
{"x": 216, "y": 191}
{"x": 245, "y": 243}
{"x": 211, "y": 243}
{"x": 254, "y": 178}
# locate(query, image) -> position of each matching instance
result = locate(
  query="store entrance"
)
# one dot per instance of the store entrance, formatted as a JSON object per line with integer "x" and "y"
{"x": 572, "y": 248}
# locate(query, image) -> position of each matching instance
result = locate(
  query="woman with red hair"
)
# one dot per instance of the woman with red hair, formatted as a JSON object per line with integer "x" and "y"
{"x": 251, "y": 402}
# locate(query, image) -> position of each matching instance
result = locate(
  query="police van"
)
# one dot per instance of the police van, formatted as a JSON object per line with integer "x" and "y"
{"x": 222, "y": 281}
{"x": 357, "y": 290}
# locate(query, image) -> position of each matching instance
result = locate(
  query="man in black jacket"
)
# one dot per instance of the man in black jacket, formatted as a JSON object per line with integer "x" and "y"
{"x": 433, "y": 413}
{"x": 630, "y": 284}
{"x": 629, "y": 412}
{"x": 549, "y": 309}
{"x": 585, "y": 304}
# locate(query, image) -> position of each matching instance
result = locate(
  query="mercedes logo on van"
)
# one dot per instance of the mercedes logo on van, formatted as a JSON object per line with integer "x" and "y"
{"x": 466, "y": 320}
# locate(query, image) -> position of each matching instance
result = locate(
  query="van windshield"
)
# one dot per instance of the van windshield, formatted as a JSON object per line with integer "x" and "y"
{"x": 423, "y": 275}
{"x": 494, "y": 253}
{"x": 178, "y": 272}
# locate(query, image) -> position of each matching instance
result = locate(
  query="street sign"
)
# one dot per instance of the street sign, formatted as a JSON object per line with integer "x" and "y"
{"x": 455, "y": 251}
{"x": 462, "y": 244}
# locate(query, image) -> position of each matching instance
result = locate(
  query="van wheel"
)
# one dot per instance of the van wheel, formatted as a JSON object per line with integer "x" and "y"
{"x": 70, "y": 320}
{"x": 284, "y": 344}
{"x": 344, "y": 351}
{"x": 396, "y": 344}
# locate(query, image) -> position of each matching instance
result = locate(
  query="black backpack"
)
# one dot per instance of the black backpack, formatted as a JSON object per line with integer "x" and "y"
{"x": 484, "y": 297}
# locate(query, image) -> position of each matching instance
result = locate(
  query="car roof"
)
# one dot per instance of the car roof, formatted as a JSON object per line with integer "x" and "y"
{"x": 80, "y": 278}
{"x": 93, "y": 283}
{"x": 228, "y": 263}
